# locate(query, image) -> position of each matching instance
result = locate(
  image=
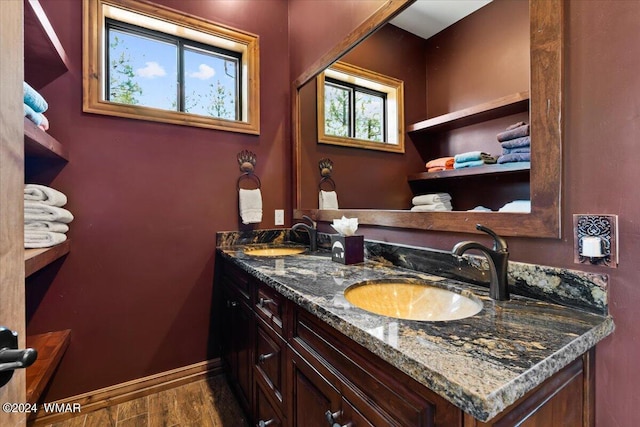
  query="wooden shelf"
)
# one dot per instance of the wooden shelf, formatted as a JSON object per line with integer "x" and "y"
{"x": 50, "y": 347}
{"x": 517, "y": 167}
{"x": 44, "y": 57}
{"x": 38, "y": 143}
{"x": 511, "y": 104}
{"x": 35, "y": 259}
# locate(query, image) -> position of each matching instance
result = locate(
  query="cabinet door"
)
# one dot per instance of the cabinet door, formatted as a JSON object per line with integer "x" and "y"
{"x": 238, "y": 330}
{"x": 312, "y": 396}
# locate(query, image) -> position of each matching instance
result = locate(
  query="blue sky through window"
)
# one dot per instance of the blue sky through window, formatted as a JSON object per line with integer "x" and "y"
{"x": 151, "y": 66}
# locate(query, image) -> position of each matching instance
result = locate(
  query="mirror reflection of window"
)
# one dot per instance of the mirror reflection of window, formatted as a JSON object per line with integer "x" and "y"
{"x": 360, "y": 108}
{"x": 354, "y": 111}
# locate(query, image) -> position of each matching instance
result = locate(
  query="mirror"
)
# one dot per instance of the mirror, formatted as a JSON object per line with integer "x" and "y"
{"x": 378, "y": 186}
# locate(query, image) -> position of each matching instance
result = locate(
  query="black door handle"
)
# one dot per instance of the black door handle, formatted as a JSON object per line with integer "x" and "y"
{"x": 10, "y": 357}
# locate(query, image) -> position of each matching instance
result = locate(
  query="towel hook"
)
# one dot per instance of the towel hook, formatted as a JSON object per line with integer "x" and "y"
{"x": 326, "y": 169}
{"x": 247, "y": 162}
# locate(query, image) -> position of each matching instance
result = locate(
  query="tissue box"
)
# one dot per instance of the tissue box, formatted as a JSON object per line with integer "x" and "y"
{"x": 347, "y": 249}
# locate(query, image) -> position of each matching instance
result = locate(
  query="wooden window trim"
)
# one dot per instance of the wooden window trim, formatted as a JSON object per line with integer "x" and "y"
{"x": 394, "y": 89}
{"x": 93, "y": 64}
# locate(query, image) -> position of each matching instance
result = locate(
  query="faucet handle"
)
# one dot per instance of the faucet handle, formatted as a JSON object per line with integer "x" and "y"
{"x": 499, "y": 243}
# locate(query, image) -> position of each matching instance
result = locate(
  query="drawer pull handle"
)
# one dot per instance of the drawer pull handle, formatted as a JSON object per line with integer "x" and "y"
{"x": 332, "y": 418}
{"x": 231, "y": 303}
{"x": 265, "y": 356}
{"x": 263, "y": 423}
{"x": 264, "y": 301}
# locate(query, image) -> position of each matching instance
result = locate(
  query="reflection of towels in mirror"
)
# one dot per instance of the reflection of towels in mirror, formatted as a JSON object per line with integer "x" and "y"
{"x": 327, "y": 200}
{"x": 250, "y": 205}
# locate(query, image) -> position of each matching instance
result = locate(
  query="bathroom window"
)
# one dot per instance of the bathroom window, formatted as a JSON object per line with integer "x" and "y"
{"x": 354, "y": 111}
{"x": 360, "y": 108}
{"x": 145, "y": 62}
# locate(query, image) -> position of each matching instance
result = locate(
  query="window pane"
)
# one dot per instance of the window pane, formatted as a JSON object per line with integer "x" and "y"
{"x": 369, "y": 116}
{"x": 211, "y": 84}
{"x": 336, "y": 110}
{"x": 142, "y": 71}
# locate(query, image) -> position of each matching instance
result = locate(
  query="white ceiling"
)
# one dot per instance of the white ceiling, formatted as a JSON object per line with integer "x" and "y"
{"x": 425, "y": 18}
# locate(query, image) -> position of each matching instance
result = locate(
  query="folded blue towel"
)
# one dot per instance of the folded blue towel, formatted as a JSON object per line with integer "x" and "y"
{"x": 468, "y": 164}
{"x": 525, "y": 141}
{"x": 32, "y": 115}
{"x": 514, "y": 157}
{"x": 469, "y": 156}
{"x": 33, "y": 99}
{"x": 526, "y": 149}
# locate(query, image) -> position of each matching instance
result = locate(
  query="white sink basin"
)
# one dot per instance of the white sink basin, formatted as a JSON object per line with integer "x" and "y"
{"x": 411, "y": 300}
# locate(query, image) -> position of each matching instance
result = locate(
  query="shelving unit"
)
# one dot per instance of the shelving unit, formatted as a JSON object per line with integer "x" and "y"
{"x": 505, "y": 106}
{"x": 51, "y": 347}
{"x": 35, "y": 259}
{"x": 522, "y": 167}
{"x": 45, "y": 60}
{"x": 506, "y": 180}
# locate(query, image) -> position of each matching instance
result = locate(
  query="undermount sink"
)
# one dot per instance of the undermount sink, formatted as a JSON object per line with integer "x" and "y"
{"x": 275, "y": 252}
{"x": 412, "y": 300}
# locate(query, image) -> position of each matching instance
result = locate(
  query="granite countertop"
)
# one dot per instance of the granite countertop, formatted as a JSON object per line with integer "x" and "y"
{"x": 482, "y": 364}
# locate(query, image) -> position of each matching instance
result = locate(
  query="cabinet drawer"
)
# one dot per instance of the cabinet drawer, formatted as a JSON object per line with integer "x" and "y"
{"x": 270, "y": 306}
{"x": 269, "y": 361}
{"x": 266, "y": 414}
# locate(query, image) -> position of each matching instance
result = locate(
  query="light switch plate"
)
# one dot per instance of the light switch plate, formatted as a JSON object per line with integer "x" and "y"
{"x": 279, "y": 217}
{"x": 604, "y": 227}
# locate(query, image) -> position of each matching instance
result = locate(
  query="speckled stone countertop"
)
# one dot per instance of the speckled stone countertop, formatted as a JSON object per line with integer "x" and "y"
{"x": 482, "y": 364}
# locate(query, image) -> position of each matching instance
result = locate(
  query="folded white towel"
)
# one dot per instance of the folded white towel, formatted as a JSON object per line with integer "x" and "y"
{"x": 480, "y": 209}
{"x": 250, "y": 206}
{"x": 521, "y": 206}
{"x": 42, "y": 239}
{"x": 57, "y": 227}
{"x": 435, "y": 207}
{"x": 44, "y": 194}
{"x": 429, "y": 199}
{"x": 328, "y": 200}
{"x": 37, "y": 211}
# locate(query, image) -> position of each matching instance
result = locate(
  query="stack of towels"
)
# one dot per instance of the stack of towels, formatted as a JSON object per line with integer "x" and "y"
{"x": 45, "y": 221}
{"x": 516, "y": 143}
{"x": 473, "y": 159}
{"x": 440, "y": 164}
{"x": 436, "y": 202}
{"x": 34, "y": 106}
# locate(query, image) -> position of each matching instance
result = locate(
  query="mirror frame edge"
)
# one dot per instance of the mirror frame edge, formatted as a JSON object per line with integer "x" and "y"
{"x": 547, "y": 28}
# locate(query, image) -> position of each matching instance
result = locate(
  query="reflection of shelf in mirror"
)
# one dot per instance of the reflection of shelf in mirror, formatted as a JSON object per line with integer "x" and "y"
{"x": 38, "y": 143}
{"x": 518, "y": 167}
{"x": 501, "y": 107}
{"x": 35, "y": 259}
{"x": 50, "y": 347}
{"x": 44, "y": 57}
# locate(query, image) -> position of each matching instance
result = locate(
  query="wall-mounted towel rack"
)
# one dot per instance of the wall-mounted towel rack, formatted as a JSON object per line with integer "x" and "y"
{"x": 326, "y": 169}
{"x": 247, "y": 162}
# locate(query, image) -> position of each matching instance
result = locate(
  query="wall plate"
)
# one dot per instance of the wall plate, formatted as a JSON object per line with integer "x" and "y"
{"x": 586, "y": 227}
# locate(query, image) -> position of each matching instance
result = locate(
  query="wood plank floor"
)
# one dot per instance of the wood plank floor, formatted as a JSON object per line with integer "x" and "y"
{"x": 205, "y": 403}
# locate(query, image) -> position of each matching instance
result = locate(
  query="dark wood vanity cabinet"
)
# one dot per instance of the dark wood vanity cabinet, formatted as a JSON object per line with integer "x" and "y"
{"x": 289, "y": 368}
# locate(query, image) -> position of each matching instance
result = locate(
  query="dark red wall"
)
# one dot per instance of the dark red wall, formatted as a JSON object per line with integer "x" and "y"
{"x": 148, "y": 199}
{"x": 315, "y": 27}
{"x": 367, "y": 178}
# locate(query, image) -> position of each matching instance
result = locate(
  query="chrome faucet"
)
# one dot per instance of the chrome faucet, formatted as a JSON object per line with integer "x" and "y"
{"x": 498, "y": 259}
{"x": 311, "y": 229}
